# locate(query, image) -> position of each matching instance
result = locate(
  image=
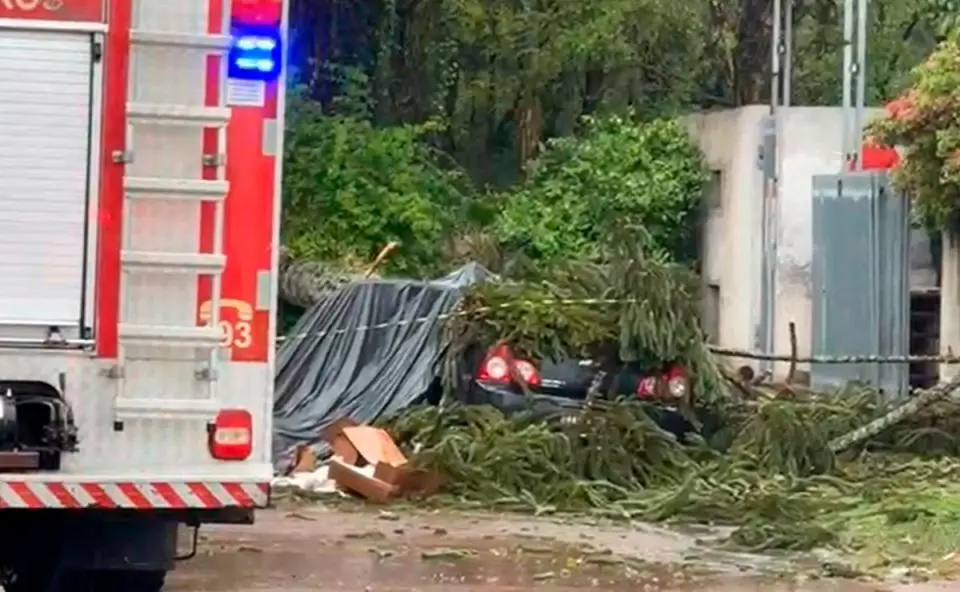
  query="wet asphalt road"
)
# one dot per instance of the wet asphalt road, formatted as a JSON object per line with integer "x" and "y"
{"x": 317, "y": 549}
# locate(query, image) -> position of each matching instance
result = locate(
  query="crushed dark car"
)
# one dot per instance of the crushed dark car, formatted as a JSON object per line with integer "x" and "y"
{"x": 375, "y": 347}
{"x": 514, "y": 384}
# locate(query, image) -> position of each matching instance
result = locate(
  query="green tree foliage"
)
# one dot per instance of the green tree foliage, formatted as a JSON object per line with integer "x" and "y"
{"x": 924, "y": 121}
{"x": 945, "y": 14}
{"x": 504, "y": 74}
{"x": 651, "y": 314}
{"x": 413, "y": 89}
{"x": 618, "y": 172}
{"x": 900, "y": 35}
{"x": 350, "y": 188}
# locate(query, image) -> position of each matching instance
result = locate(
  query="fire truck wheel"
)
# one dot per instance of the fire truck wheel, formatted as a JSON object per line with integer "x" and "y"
{"x": 25, "y": 581}
{"x": 130, "y": 581}
{"x": 94, "y": 581}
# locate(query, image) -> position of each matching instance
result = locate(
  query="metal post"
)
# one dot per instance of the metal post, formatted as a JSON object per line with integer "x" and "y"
{"x": 861, "y": 74}
{"x": 788, "y": 55}
{"x": 771, "y": 190}
{"x": 847, "y": 73}
{"x": 775, "y": 58}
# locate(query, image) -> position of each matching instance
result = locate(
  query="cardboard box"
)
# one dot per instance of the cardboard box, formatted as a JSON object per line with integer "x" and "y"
{"x": 356, "y": 446}
{"x": 339, "y": 444}
{"x": 349, "y": 478}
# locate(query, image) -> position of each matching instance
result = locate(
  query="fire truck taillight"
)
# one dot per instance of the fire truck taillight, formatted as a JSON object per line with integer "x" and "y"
{"x": 231, "y": 435}
{"x": 256, "y": 50}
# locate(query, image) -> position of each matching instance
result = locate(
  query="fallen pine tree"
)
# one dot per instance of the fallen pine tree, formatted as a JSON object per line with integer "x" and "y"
{"x": 769, "y": 467}
{"x": 765, "y": 467}
{"x": 304, "y": 282}
{"x": 626, "y": 305}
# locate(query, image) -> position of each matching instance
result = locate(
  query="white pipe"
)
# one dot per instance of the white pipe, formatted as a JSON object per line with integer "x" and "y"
{"x": 775, "y": 46}
{"x": 788, "y": 56}
{"x": 861, "y": 79}
{"x": 847, "y": 72}
{"x": 772, "y": 189}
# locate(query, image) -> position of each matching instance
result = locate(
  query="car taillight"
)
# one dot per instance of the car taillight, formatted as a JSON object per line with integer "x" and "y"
{"x": 528, "y": 372}
{"x": 499, "y": 365}
{"x": 647, "y": 387}
{"x": 231, "y": 435}
{"x": 677, "y": 384}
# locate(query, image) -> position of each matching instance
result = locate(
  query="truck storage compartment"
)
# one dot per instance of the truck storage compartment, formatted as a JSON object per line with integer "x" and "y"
{"x": 46, "y": 91}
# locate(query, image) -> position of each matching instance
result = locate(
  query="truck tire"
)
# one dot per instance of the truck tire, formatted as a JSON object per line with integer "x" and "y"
{"x": 127, "y": 581}
{"x": 28, "y": 580}
{"x": 99, "y": 581}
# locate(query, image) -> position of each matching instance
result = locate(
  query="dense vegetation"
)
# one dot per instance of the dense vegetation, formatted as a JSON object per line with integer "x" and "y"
{"x": 533, "y": 124}
{"x": 547, "y": 132}
{"x": 925, "y": 122}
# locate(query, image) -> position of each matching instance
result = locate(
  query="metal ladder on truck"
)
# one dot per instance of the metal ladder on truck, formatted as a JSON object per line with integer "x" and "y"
{"x": 207, "y": 338}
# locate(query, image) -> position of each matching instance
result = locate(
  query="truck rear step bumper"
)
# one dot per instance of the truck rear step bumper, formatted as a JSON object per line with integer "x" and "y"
{"x": 62, "y": 492}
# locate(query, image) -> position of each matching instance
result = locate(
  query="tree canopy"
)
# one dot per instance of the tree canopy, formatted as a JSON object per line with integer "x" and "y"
{"x": 536, "y": 122}
{"x": 925, "y": 122}
{"x": 614, "y": 174}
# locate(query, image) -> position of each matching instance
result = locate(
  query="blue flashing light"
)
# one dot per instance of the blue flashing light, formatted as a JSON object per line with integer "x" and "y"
{"x": 255, "y": 53}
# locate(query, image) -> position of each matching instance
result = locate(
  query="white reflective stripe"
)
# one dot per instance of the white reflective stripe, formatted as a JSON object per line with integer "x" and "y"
{"x": 189, "y": 498}
{"x": 257, "y": 493}
{"x": 116, "y": 496}
{"x": 44, "y": 494}
{"x": 153, "y": 496}
{"x": 220, "y": 492}
{"x": 10, "y": 497}
{"x": 41, "y": 494}
{"x": 80, "y": 494}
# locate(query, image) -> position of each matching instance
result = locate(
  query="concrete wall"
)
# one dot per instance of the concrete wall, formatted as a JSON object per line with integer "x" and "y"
{"x": 732, "y": 229}
{"x": 811, "y": 146}
{"x": 950, "y": 305}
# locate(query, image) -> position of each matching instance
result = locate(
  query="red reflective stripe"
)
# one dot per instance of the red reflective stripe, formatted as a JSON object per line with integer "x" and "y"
{"x": 136, "y": 497}
{"x": 166, "y": 491}
{"x": 115, "y": 73}
{"x": 206, "y": 497}
{"x": 59, "y": 490}
{"x": 26, "y": 495}
{"x": 99, "y": 495}
{"x": 236, "y": 492}
{"x": 14, "y": 494}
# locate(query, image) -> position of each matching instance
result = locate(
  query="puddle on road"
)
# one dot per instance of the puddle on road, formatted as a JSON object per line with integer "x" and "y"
{"x": 500, "y": 565}
{"x": 425, "y": 557}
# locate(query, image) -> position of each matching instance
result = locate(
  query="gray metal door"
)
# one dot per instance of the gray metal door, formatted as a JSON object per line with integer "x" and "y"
{"x": 861, "y": 291}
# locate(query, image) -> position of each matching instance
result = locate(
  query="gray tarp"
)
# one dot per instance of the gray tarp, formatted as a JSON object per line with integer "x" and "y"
{"x": 338, "y": 363}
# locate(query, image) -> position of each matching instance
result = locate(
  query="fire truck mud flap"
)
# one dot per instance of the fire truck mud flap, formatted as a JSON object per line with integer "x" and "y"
{"x": 103, "y": 551}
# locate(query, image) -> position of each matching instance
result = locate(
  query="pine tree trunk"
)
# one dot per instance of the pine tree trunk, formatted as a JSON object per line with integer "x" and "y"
{"x": 304, "y": 282}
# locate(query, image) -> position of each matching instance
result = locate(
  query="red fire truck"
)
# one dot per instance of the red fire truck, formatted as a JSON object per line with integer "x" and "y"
{"x": 140, "y": 146}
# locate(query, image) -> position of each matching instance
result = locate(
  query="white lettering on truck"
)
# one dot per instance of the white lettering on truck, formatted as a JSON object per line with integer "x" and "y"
{"x": 32, "y": 5}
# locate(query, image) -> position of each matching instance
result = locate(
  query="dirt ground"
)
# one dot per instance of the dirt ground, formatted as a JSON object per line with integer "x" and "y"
{"x": 322, "y": 549}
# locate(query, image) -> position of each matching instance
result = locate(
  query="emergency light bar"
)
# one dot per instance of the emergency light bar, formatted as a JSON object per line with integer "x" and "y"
{"x": 256, "y": 49}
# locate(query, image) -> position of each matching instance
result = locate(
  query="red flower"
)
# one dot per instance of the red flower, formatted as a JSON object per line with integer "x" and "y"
{"x": 901, "y": 107}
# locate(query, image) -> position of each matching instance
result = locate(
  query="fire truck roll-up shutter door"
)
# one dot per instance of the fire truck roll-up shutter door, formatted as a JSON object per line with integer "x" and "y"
{"x": 45, "y": 139}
